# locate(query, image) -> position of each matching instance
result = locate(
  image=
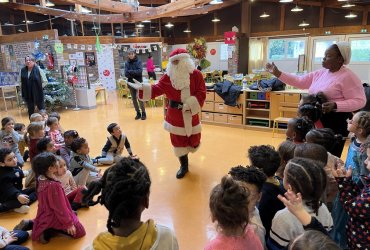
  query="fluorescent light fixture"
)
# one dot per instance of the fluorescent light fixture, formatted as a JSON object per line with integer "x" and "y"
{"x": 118, "y": 32}
{"x": 20, "y": 30}
{"x": 303, "y": 24}
{"x": 8, "y": 24}
{"x": 286, "y": 1}
{"x": 146, "y": 21}
{"x": 140, "y": 25}
{"x": 264, "y": 15}
{"x": 351, "y": 15}
{"x": 169, "y": 25}
{"x": 297, "y": 9}
{"x": 215, "y": 20}
{"x": 49, "y": 4}
{"x": 348, "y": 5}
{"x": 187, "y": 30}
{"x": 4, "y": 1}
{"x": 85, "y": 10}
{"x": 28, "y": 21}
{"x": 213, "y": 2}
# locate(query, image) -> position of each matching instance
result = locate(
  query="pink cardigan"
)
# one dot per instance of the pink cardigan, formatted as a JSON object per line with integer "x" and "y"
{"x": 342, "y": 87}
{"x": 150, "y": 65}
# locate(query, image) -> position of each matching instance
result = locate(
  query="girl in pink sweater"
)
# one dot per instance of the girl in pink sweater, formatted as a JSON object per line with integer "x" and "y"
{"x": 339, "y": 84}
{"x": 54, "y": 213}
{"x": 229, "y": 207}
{"x": 150, "y": 68}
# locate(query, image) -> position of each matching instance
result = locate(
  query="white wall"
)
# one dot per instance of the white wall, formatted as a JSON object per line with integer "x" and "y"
{"x": 216, "y": 62}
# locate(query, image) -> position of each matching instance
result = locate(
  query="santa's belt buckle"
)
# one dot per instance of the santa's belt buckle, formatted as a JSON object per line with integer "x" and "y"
{"x": 176, "y": 105}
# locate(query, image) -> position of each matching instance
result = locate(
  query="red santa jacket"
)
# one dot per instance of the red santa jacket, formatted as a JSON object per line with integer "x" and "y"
{"x": 180, "y": 122}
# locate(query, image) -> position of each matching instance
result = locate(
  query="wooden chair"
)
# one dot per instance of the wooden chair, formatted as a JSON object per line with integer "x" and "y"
{"x": 9, "y": 93}
{"x": 103, "y": 91}
{"x": 283, "y": 118}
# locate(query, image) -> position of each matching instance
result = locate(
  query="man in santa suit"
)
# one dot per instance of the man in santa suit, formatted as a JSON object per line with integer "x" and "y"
{"x": 185, "y": 89}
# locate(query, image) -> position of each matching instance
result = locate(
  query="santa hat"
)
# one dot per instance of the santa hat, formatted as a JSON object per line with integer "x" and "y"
{"x": 178, "y": 54}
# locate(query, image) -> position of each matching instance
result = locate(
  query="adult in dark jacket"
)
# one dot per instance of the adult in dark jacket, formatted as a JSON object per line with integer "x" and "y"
{"x": 134, "y": 70}
{"x": 32, "y": 80}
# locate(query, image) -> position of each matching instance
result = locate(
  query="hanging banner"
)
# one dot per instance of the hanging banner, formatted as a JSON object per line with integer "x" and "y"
{"x": 89, "y": 47}
{"x": 69, "y": 46}
{"x": 75, "y": 46}
{"x": 105, "y": 64}
{"x": 83, "y": 47}
{"x": 230, "y": 37}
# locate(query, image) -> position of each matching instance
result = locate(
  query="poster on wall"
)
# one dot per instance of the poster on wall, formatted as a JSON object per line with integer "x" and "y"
{"x": 2, "y": 49}
{"x": 106, "y": 69}
{"x": 69, "y": 46}
{"x": 83, "y": 47}
{"x": 90, "y": 58}
{"x": 75, "y": 46}
{"x": 89, "y": 47}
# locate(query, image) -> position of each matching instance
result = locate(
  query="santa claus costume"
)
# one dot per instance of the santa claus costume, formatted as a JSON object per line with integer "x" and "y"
{"x": 185, "y": 88}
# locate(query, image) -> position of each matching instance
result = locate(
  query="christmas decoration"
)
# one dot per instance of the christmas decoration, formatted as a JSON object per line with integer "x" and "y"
{"x": 56, "y": 95}
{"x": 198, "y": 50}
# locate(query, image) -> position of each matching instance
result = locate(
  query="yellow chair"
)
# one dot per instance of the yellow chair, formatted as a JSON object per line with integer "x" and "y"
{"x": 284, "y": 107}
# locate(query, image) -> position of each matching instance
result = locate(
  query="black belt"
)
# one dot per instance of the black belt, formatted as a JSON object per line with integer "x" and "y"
{"x": 175, "y": 104}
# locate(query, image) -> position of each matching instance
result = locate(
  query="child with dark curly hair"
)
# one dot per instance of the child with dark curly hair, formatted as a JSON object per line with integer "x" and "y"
{"x": 125, "y": 189}
{"x": 297, "y": 129}
{"x": 228, "y": 204}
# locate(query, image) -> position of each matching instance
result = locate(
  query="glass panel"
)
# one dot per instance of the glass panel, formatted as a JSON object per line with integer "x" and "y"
{"x": 360, "y": 51}
{"x": 320, "y": 47}
{"x": 295, "y": 48}
{"x": 276, "y": 49}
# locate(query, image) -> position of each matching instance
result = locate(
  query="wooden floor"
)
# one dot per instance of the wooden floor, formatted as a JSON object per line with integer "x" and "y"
{"x": 179, "y": 204}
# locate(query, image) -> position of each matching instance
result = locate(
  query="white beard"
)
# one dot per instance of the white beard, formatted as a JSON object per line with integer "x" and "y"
{"x": 180, "y": 74}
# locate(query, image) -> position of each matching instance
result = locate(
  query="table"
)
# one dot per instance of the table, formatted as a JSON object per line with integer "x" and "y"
{"x": 99, "y": 89}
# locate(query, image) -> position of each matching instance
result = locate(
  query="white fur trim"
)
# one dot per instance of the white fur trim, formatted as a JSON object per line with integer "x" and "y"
{"x": 180, "y": 151}
{"x": 147, "y": 92}
{"x": 180, "y": 130}
{"x": 193, "y": 104}
{"x": 179, "y": 56}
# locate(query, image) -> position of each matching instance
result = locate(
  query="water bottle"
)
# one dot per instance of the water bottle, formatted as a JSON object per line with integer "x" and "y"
{"x": 245, "y": 83}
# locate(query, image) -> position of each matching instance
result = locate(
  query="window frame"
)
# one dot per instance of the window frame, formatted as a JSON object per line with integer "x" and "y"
{"x": 286, "y": 41}
{"x": 356, "y": 38}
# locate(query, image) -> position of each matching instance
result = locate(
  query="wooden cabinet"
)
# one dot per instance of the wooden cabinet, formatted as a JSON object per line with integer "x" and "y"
{"x": 281, "y": 97}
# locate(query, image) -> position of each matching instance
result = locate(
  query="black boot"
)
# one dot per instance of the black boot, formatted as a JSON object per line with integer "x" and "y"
{"x": 184, "y": 168}
{"x": 143, "y": 116}
{"x": 138, "y": 116}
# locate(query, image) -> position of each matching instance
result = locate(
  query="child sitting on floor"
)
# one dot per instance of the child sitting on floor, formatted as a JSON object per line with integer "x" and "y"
{"x": 81, "y": 166}
{"x": 12, "y": 194}
{"x": 286, "y": 153}
{"x": 253, "y": 179}
{"x": 36, "y": 117}
{"x": 125, "y": 189}
{"x": 9, "y": 138}
{"x": 20, "y": 128}
{"x": 73, "y": 193}
{"x": 54, "y": 133}
{"x": 297, "y": 129}
{"x": 117, "y": 141}
{"x": 66, "y": 151}
{"x": 54, "y": 213}
{"x": 12, "y": 240}
{"x": 229, "y": 209}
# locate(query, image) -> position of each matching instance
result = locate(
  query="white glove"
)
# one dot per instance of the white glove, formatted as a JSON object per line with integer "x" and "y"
{"x": 137, "y": 85}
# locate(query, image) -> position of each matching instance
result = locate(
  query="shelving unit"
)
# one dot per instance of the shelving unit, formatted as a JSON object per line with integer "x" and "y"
{"x": 257, "y": 109}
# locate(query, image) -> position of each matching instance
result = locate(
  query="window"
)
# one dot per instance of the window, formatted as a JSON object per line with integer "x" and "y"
{"x": 224, "y": 52}
{"x": 360, "y": 50}
{"x": 281, "y": 49}
{"x": 320, "y": 47}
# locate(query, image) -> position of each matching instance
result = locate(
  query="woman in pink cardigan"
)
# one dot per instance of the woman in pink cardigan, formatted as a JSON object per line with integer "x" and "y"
{"x": 340, "y": 85}
{"x": 150, "y": 67}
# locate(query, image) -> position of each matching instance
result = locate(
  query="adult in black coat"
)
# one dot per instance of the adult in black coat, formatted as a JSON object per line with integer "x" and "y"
{"x": 32, "y": 85}
{"x": 134, "y": 70}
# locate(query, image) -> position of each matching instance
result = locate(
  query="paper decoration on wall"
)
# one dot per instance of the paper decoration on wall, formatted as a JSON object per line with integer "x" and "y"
{"x": 2, "y": 49}
{"x": 106, "y": 72}
{"x": 212, "y": 52}
{"x": 90, "y": 58}
{"x": 230, "y": 37}
{"x": 143, "y": 50}
{"x": 137, "y": 51}
{"x": 69, "y": 46}
{"x": 29, "y": 47}
{"x": 98, "y": 45}
{"x": 124, "y": 49}
{"x": 75, "y": 46}
{"x": 79, "y": 55}
{"x": 105, "y": 62}
{"x": 89, "y": 47}
{"x": 58, "y": 48}
{"x": 149, "y": 50}
{"x": 155, "y": 48}
{"x": 83, "y": 47}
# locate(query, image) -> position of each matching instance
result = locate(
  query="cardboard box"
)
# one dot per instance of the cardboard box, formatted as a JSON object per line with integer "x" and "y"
{"x": 235, "y": 119}
{"x": 220, "y": 107}
{"x": 267, "y": 95}
{"x": 261, "y": 96}
{"x": 220, "y": 118}
{"x": 210, "y": 96}
{"x": 208, "y": 106}
{"x": 253, "y": 95}
{"x": 206, "y": 116}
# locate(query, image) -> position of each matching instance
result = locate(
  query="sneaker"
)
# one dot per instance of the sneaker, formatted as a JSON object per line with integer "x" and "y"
{"x": 22, "y": 210}
{"x": 24, "y": 225}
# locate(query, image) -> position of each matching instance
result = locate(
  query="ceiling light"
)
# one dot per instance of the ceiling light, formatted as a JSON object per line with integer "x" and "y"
{"x": 49, "y": 4}
{"x": 94, "y": 27}
{"x": 303, "y": 24}
{"x": 187, "y": 30}
{"x": 264, "y": 15}
{"x": 169, "y": 25}
{"x": 4, "y": 1}
{"x": 342, "y": 0}
{"x": 286, "y": 1}
{"x": 85, "y": 10}
{"x": 20, "y": 30}
{"x": 296, "y": 9}
{"x": 146, "y": 21}
{"x": 140, "y": 25}
{"x": 351, "y": 15}
{"x": 215, "y": 20}
{"x": 348, "y": 5}
{"x": 28, "y": 21}
{"x": 8, "y": 24}
{"x": 118, "y": 32}
{"x": 213, "y": 2}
